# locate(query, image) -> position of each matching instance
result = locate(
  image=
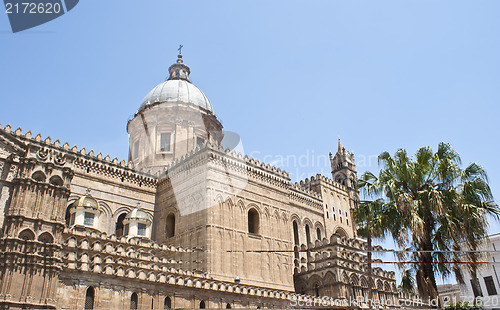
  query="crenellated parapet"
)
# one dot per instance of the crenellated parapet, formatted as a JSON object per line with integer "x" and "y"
{"x": 136, "y": 259}
{"x": 304, "y": 197}
{"x": 337, "y": 267}
{"x": 58, "y": 153}
{"x": 322, "y": 179}
{"x": 231, "y": 161}
{"x": 345, "y": 252}
{"x": 108, "y": 170}
{"x": 88, "y": 250}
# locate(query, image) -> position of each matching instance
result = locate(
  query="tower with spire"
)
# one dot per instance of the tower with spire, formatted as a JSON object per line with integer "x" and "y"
{"x": 343, "y": 167}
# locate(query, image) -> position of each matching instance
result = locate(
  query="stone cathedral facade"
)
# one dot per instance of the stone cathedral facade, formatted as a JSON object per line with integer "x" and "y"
{"x": 186, "y": 222}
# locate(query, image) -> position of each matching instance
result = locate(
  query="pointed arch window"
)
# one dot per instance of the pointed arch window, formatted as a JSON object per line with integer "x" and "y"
{"x": 119, "y": 225}
{"x": 296, "y": 238}
{"x": 296, "y": 233}
{"x": 133, "y": 301}
{"x": 89, "y": 298}
{"x": 167, "y": 303}
{"x": 308, "y": 234}
{"x": 318, "y": 233}
{"x": 253, "y": 221}
{"x": 202, "y": 304}
{"x": 170, "y": 226}
{"x": 69, "y": 218}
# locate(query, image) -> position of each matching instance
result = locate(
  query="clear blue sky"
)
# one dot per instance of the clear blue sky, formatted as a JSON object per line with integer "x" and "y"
{"x": 289, "y": 77}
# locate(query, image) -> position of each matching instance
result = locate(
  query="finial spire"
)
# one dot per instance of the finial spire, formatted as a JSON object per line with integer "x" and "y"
{"x": 179, "y": 57}
{"x": 179, "y": 71}
{"x": 341, "y": 147}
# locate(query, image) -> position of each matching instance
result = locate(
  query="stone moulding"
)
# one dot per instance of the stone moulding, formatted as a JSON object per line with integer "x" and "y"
{"x": 107, "y": 255}
{"x": 83, "y": 159}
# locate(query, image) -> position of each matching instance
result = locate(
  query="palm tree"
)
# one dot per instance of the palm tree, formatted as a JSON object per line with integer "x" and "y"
{"x": 432, "y": 208}
{"x": 370, "y": 219}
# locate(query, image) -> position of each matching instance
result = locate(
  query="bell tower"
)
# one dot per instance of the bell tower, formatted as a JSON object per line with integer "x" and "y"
{"x": 343, "y": 167}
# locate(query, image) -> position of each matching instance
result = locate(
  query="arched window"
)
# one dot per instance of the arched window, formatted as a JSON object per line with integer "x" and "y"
{"x": 308, "y": 234}
{"x": 39, "y": 176}
{"x": 316, "y": 290}
{"x": 119, "y": 225}
{"x": 67, "y": 217}
{"x": 318, "y": 233}
{"x": 202, "y": 304}
{"x": 341, "y": 232}
{"x": 46, "y": 238}
{"x": 89, "y": 298}
{"x": 170, "y": 226}
{"x": 133, "y": 301}
{"x": 296, "y": 239}
{"x": 253, "y": 221}
{"x": 228, "y": 306}
{"x": 296, "y": 233}
{"x": 56, "y": 180}
{"x": 167, "y": 303}
{"x": 27, "y": 234}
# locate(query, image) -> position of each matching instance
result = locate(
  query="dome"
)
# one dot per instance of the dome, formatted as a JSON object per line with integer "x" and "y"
{"x": 137, "y": 214}
{"x": 86, "y": 201}
{"x": 177, "y": 90}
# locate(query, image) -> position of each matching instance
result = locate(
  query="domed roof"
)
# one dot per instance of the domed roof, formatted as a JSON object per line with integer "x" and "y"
{"x": 177, "y": 90}
{"x": 86, "y": 201}
{"x": 137, "y": 214}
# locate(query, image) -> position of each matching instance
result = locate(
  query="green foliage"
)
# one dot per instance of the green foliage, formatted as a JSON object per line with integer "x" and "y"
{"x": 428, "y": 204}
{"x": 464, "y": 305}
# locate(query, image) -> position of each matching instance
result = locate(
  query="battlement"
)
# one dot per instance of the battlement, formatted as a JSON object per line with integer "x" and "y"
{"x": 85, "y": 159}
{"x": 306, "y": 196}
{"x": 141, "y": 259}
{"x": 341, "y": 252}
{"x": 309, "y": 183}
{"x": 215, "y": 152}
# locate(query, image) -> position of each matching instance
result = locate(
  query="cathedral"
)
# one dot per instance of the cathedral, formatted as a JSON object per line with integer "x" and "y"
{"x": 187, "y": 222}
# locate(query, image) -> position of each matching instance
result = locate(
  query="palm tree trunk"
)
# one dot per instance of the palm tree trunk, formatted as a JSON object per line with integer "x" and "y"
{"x": 370, "y": 277}
{"x": 427, "y": 267}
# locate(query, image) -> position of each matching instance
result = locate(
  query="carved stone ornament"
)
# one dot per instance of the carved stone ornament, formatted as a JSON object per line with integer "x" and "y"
{"x": 42, "y": 154}
{"x": 12, "y": 173}
{"x": 59, "y": 159}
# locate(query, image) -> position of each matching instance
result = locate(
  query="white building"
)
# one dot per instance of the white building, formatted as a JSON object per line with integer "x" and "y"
{"x": 486, "y": 284}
